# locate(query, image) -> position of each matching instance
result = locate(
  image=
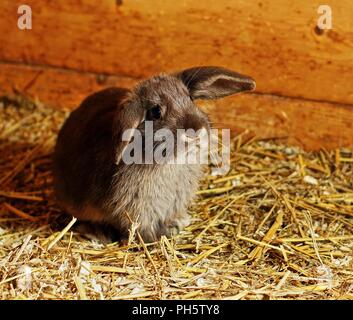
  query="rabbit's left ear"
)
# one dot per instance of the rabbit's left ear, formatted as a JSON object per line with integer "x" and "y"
{"x": 127, "y": 118}
{"x": 214, "y": 82}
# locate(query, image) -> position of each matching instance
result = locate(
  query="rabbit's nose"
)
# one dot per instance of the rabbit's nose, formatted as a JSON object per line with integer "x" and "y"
{"x": 192, "y": 121}
{"x": 191, "y": 135}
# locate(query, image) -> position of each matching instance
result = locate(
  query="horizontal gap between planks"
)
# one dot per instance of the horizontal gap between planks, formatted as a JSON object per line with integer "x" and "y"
{"x": 71, "y": 70}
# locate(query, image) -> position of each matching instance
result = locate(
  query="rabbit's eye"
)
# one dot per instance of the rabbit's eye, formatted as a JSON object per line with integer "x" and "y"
{"x": 154, "y": 113}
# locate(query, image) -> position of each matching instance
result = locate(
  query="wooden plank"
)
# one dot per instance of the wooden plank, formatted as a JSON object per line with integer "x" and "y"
{"x": 312, "y": 125}
{"x": 272, "y": 40}
{"x": 56, "y": 87}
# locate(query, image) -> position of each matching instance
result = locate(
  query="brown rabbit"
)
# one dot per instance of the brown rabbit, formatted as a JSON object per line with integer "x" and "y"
{"x": 93, "y": 183}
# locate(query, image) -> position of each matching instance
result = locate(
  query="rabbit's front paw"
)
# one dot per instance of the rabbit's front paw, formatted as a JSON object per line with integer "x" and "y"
{"x": 178, "y": 224}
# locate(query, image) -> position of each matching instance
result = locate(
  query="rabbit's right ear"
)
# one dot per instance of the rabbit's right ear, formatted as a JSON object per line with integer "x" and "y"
{"x": 210, "y": 82}
{"x": 127, "y": 119}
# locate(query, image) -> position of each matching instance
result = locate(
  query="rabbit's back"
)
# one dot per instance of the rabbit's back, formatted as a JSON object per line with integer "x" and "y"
{"x": 83, "y": 161}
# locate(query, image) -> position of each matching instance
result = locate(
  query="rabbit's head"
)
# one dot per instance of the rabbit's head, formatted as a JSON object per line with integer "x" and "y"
{"x": 166, "y": 103}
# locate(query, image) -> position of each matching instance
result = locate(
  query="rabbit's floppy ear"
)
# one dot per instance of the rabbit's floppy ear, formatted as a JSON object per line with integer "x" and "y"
{"x": 127, "y": 119}
{"x": 211, "y": 82}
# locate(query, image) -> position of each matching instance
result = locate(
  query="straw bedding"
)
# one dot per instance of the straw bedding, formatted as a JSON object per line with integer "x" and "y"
{"x": 279, "y": 225}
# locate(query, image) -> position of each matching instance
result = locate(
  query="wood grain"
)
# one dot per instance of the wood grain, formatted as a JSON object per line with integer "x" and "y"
{"x": 56, "y": 87}
{"x": 272, "y": 40}
{"x": 312, "y": 125}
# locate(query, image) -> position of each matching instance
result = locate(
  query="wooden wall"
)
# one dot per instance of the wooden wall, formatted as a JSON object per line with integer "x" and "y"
{"x": 304, "y": 77}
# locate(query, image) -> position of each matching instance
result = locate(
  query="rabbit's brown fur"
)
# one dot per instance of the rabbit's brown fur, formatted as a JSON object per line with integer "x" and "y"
{"x": 94, "y": 184}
